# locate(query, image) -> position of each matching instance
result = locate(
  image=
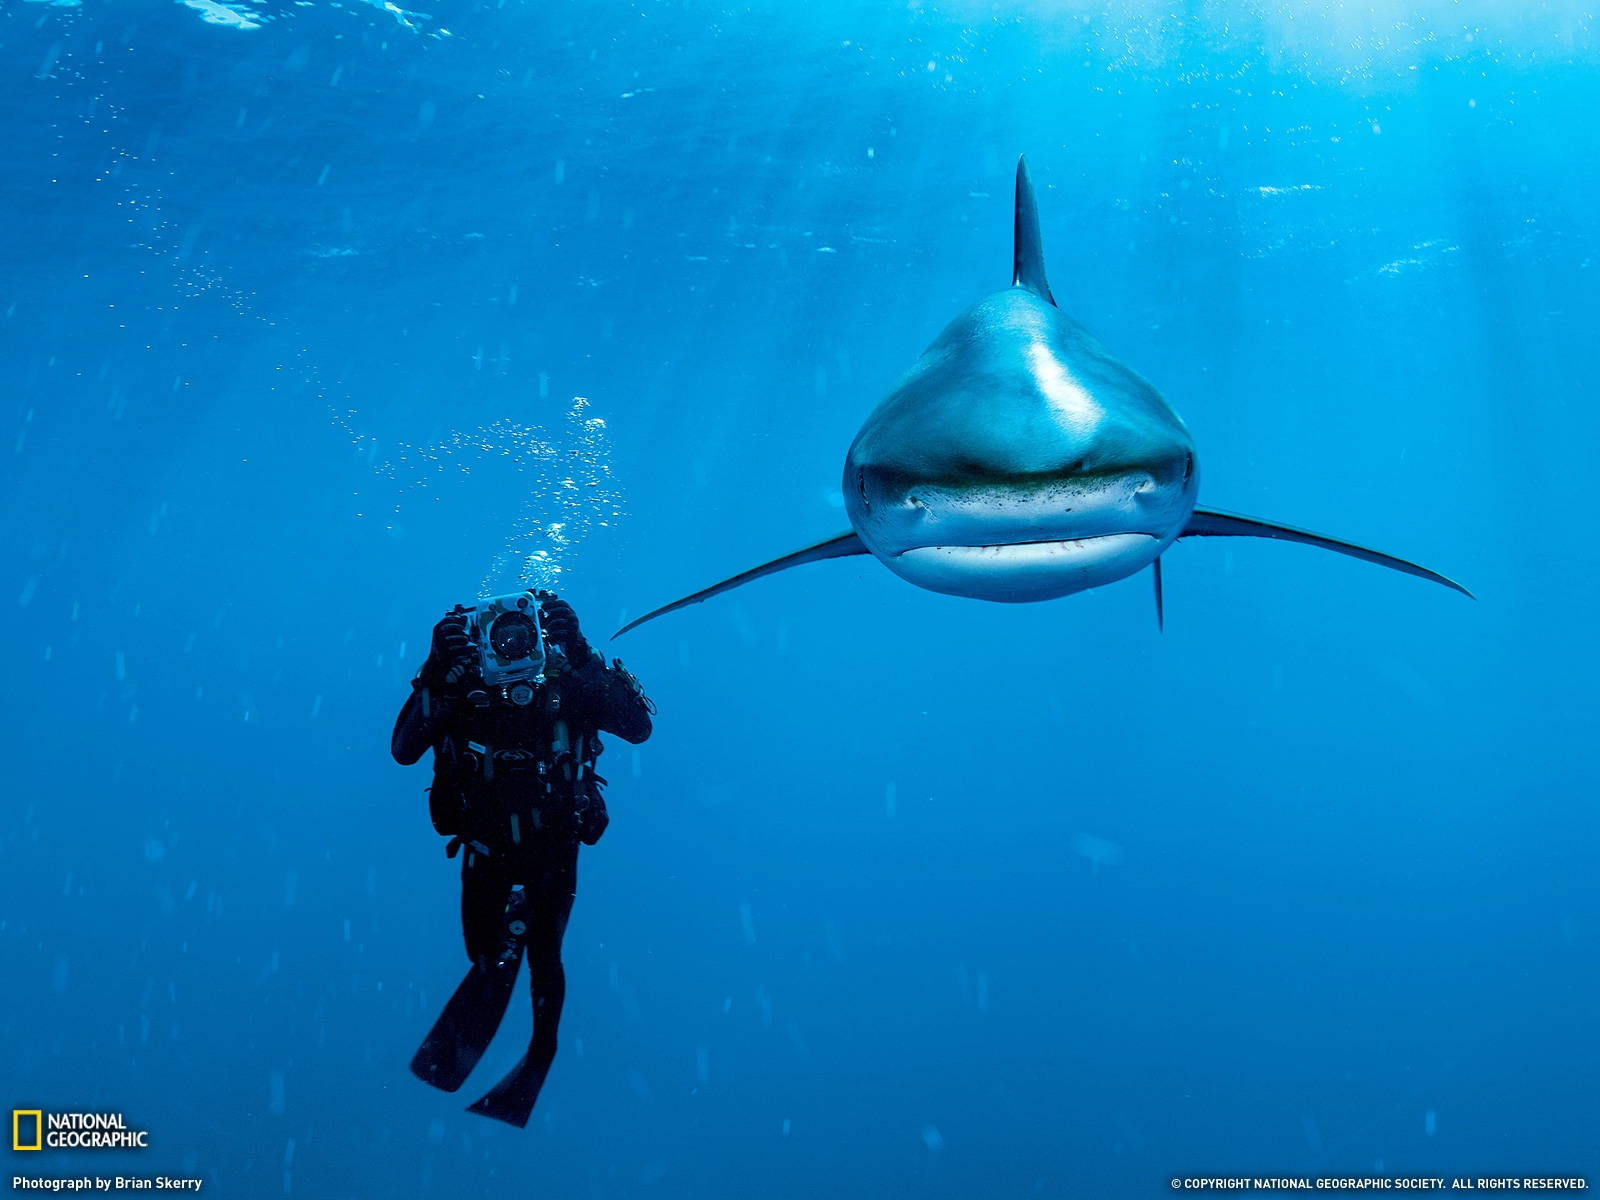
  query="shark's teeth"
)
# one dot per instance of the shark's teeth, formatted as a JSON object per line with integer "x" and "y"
{"x": 1043, "y": 548}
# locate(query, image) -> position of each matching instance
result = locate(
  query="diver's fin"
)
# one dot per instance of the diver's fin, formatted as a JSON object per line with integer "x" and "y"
{"x": 466, "y": 1027}
{"x": 842, "y": 546}
{"x": 1027, "y": 259}
{"x": 1210, "y": 523}
{"x": 512, "y": 1099}
{"x": 1161, "y": 623}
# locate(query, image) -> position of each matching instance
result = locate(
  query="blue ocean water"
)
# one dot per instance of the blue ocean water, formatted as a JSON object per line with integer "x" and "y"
{"x": 320, "y": 318}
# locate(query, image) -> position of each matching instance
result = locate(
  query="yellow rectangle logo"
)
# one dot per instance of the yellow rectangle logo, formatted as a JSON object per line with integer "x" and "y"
{"x": 18, "y": 1115}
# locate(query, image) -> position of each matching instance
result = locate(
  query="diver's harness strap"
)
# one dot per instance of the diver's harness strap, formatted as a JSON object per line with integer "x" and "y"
{"x": 561, "y": 774}
{"x": 567, "y": 773}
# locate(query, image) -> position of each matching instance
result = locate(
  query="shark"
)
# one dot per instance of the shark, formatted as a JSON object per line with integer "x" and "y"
{"x": 1018, "y": 460}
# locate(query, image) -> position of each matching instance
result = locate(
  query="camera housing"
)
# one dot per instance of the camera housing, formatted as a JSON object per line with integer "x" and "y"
{"x": 509, "y": 637}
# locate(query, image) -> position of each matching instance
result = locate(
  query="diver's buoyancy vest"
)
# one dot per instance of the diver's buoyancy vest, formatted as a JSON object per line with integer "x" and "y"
{"x": 507, "y": 772}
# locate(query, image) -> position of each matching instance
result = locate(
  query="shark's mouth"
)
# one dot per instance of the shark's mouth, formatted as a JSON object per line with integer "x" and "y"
{"x": 1025, "y": 571}
{"x": 1044, "y": 548}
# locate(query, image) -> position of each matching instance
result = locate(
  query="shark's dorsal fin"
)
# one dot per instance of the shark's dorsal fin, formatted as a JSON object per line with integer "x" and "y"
{"x": 1027, "y": 261}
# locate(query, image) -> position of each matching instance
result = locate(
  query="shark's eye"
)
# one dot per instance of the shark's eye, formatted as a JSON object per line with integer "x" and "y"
{"x": 1188, "y": 466}
{"x": 861, "y": 486}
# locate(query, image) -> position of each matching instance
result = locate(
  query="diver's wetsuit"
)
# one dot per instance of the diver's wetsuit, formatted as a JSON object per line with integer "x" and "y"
{"x": 514, "y": 785}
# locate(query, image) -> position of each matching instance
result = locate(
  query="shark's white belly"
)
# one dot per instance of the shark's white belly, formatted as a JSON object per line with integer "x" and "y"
{"x": 1026, "y": 571}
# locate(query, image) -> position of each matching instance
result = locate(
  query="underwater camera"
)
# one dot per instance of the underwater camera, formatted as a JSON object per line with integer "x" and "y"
{"x": 510, "y": 641}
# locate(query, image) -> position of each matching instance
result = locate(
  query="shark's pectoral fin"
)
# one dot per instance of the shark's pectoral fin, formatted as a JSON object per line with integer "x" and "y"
{"x": 842, "y": 546}
{"x": 1027, "y": 257}
{"x": 1211, "y": 523}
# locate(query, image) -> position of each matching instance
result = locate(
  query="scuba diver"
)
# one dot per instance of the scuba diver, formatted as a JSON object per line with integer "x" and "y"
{"x": 512, "y": 701}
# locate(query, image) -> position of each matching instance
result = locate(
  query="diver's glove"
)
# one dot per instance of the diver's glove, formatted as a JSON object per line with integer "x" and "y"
{"x": 593, "y": 818}
{"x": 451, "y": 657}
{"x": 561, "y": 627}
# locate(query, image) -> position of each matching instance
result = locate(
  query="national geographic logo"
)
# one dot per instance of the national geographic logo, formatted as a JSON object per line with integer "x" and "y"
{"x": 27, "y": 1129}
{"x": 35, "y": 1129}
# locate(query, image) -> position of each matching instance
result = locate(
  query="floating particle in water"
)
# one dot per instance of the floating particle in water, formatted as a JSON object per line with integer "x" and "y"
{"x": 835, "y": 944}
{"x": 932, "y": 1138}
{"x": 1097, "y": 850}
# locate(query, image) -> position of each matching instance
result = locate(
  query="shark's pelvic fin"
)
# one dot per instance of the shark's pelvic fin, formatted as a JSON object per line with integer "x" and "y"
{"x": 1027, "y": 264}
{"x": 1208, "y": 522}
{"x": 1161, "y": 622}
{"x": 842, "y": 546}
